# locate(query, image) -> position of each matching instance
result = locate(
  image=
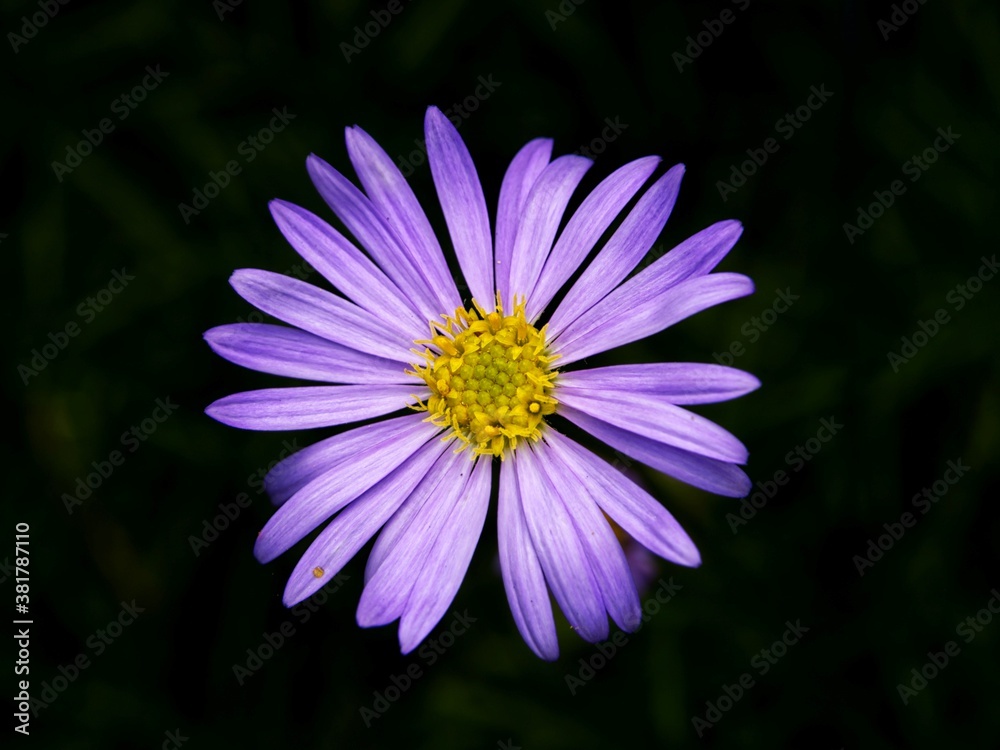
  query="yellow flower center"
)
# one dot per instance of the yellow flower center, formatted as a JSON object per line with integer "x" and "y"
{"x": 490, "y": 378}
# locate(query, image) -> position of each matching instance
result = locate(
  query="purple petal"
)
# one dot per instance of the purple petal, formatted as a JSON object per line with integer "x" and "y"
{"x": 354, "y": 526}
{"x": 539, "y": 220}
{"x": 585, "y": 228}
{"x": 375, "y": 235}
{"x": 299, "y": 469}
{"x": 675, "y": 382}
{"x": 392, "y": 196}
{"x": 445, "y": 566}
{"x": 346, "y": 267}
{"x": 387, "y": 591}
{"x": 696, "y": 256}
{"x": 607, "y": 559}
{"x": 332, "y": 490}
{"x": 522, "y": 573}
{"x": 627, "y": 246}
{"x": 446, "y": 466}
{"x": 559, "y": 548}
{"x": 312, "y": 406}
{"x": 631, "y": 507}
{"x": 637, "y": 309}
{"x": 654, "y": 418}
{"x": 278, "y": 350}
{"x": 317, "y": 311}
{"x": 463, "y": 203}
{"x": 521, "y": 175}
{"x": 705, "y": 473}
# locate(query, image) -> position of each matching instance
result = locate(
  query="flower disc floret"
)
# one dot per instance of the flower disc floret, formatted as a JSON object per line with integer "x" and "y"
{"x": 490, "y": 378}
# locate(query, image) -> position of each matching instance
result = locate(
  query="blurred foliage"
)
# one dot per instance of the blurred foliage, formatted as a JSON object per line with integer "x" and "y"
{"x": 227, "y": 67}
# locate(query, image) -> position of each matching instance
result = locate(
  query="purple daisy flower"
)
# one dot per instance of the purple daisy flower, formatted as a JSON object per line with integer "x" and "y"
{"x": 479, "y": 381}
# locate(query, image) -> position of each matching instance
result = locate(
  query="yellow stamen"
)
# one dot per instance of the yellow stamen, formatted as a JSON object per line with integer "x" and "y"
{"x": 490, "y": 377}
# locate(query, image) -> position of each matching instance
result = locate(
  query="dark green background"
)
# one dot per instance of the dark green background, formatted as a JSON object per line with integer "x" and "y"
{"x": 826, "y": 357}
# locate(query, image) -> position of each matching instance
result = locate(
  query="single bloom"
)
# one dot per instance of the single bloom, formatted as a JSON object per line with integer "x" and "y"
{"x": 464, "y": 379}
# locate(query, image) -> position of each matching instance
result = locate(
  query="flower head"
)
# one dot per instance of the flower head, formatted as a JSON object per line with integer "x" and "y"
{"x": 480, "y": 380}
